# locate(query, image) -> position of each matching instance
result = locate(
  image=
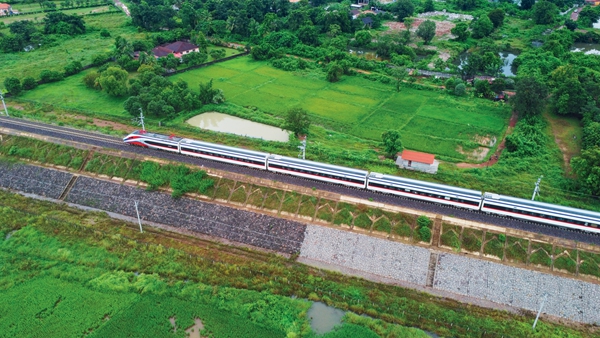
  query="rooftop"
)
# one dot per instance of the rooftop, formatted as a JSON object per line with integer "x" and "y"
{"x": 416, "y": 156}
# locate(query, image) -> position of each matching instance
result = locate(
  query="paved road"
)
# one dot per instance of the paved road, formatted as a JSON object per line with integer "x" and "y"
{"x": 105, "y": 141}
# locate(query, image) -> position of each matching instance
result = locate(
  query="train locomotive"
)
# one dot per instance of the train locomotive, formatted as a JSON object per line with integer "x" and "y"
{"x": 539, "y": 212}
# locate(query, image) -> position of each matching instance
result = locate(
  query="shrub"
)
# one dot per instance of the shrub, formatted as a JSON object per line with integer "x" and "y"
{"x": 91, "y": 80}
{"x": 104, "y": 33}
{"x": 460, "y": 89}
{"x": 73, "y": 68}
{"x": 13, "y": 85}
{"x": 425, "y": 234}
{"x": 47, "y": 76}
{"x": 424, "y": 221}
{"x": 29, "y": 83}
{"x": 100, "y": 59}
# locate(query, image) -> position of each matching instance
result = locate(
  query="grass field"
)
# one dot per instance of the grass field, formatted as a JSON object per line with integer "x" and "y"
{"x": 429, "y": 121}
{"x": 67, "y": 49}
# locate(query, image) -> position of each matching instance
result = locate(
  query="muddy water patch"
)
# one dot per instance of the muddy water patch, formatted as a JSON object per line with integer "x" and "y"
{"x": 324, "y": 318}
{"x": 234, "y": 125}
{"x": 194, "y": 330}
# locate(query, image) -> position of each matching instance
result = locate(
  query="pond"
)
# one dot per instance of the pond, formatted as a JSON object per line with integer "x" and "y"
{"x": 324, "y": 318}
{"x": 234, "y": 125}
{"x": 507, "y": 60}
{"x": 587, "y": 48}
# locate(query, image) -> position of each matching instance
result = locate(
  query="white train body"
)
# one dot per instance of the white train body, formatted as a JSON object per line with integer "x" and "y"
{"x": 533, "y": 211}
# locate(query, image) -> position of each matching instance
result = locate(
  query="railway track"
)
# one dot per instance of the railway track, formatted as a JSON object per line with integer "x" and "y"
{"x": 111, "y": 142}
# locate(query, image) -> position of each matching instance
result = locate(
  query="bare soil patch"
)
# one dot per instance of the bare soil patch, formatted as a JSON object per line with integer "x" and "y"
{"x": 104, "y": 123}
{"x": 441, "y": 27}
{"x": 494, "y": 158}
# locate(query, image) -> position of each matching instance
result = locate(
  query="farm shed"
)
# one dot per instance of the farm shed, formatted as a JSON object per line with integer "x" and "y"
{"x": 414, "y": 160}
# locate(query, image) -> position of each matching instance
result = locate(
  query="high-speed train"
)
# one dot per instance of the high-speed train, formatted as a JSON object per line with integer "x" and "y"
{"x": 533, "y": 211}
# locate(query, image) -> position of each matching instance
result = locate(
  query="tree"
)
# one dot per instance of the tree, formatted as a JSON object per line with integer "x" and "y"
{"x": 169, "y": 61}
{"x": 24, "y": 28}
{"x": 73, "y": 68}
{"x": 587, "y": 169}
{"x": 391, "y": 142}
{"x": 482, "y": 27}
{"x": 334, "y": 72}
{"x": 403, "y": 9}
{"x": 570, "y": 24}
{"x": 61, "y": 23}
{"x": 362, "y": 38}
{"x": 460, "y": 89}
{"x": 426, "y": 31}
{"x": 466, "y": 5}
{"x": 530, "y": 98}
{"x": 91, "y": 79}
{"x": 544, "y": 12}
{"x": 13, "y": 85}
{"x": 218, "y": 53}
{"x": 482, "y": 87}
{"x": 461, "y": 31}
{"x": 297, "y": 121}
{"x": 588, "y": 16}
{"x": 399, "y": 73}
{"x": 527, "y": 4}
{"x": 428, "y": 6}
{"x": 497, "y": 17}
{"x": 47, "y": 76}
{"x": 208, "y": 94}
{"x": 29, "y": 83}
{"x": 114, "y": 81}
{"x": 194, "y": 58}
{"x": 309, "y": 35}
{"x": 591, "y": 135}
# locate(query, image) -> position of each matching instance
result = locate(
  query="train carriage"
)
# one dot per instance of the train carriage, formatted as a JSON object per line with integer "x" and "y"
{"x": 426, "y": 191}
{"x": 318, "y": 171}
{"x": 145, "y": 139}
{"x": 221, "y": 153}
{"x": 541, "y": 212}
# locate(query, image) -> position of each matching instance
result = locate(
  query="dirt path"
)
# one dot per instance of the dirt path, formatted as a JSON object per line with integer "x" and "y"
{"x": 494, "y": 158}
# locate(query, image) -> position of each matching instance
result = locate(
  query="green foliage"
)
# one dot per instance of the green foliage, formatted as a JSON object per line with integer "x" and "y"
{"x": 426, "y": 31}
{"x": 528, "y": 138}
{"x": 114, "y": 81}
{"x": 363, "y": 38}
{"x": 461, "y": 31}
{"x": 181, "y": 179}
{"x": 61, "y": 23}
{"x": 73, "y": 68}
{"x": 91, "y": 80}
{"x": 194, "y": 58}
{"x": 587, "y": 17}
{"x": 587, "y": 168}
{"x": 424, "y": 221}
{"x": 392, "y": 143}
{"x": 424, "y": 234}
{"x": 482, "y": 27}
{"x": 497, "y": 17}
{"x": 29, "y": 83}
{"x": 208, "y": 94}
{"x": 544, "y": 12}
{"x": 403, "y": 9}
{"x": 428, "y": 6}
{"x": 530, "y": 99}
{"x": 218, "y": 53}
{"x": 13, "y": 85}
{"x": 47, "y": 76}
{"x": 297, "y": 121}
{"x": 460, "y": 89}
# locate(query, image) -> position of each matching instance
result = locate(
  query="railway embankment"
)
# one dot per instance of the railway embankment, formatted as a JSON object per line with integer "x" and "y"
{"x": 464, "y": 273}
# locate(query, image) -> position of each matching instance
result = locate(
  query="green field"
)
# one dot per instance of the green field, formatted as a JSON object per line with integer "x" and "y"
{"x": 68, "y": 48}
{"x": 428, "y": 121}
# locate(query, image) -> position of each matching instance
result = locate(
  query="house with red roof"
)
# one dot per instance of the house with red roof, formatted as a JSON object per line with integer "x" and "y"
{"x": 5, "y": 9}
{"x": 177, "y": 48}
{"x": 414, "y": 160}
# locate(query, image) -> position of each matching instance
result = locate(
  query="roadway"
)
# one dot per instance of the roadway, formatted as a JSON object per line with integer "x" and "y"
{"x": 106, "y": 141}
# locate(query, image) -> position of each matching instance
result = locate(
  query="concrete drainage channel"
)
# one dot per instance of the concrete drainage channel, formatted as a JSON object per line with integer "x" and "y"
{"x": 450, "y": 275}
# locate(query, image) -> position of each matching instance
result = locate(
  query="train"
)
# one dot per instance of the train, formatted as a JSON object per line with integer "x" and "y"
{"x": 491, "y": 203}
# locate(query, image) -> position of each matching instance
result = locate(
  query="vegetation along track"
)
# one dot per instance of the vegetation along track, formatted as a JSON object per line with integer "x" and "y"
{"x": 98, "y": 140}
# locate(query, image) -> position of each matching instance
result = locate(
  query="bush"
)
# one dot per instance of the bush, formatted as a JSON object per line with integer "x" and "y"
{"x": 424, "y": 222}
{"x": 425, "y": 234}
{"x": 460, "y": 89}
{"x": 104, "y": 33}
{"x": 91, "y": 80}
{"x": 29, "y": 83}
{"x": 100, "y": 59}
{"x": 47, "y": 76}
{"x": 73, "y": 68}
{"x": 13, "y": 85}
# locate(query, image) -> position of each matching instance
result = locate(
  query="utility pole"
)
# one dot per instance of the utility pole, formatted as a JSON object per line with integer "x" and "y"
{"x": 303, "y": 148}
{"x": 138, "y": 215}
{"x": 4, "y": 104}
{"x": 540, "y": 311}
{"x": 537, "y": 188}
{"x": 142, "y": 119}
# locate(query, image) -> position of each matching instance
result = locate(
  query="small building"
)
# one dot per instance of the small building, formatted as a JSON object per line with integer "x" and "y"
{"x": 414, "y": 160}
{"x": 5, "y": 9}
{"x": 592, "y": 2}
{"x": 368, "y": 22}
{"x": 178, "y": 49}
{"x": 355, "y": 13}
